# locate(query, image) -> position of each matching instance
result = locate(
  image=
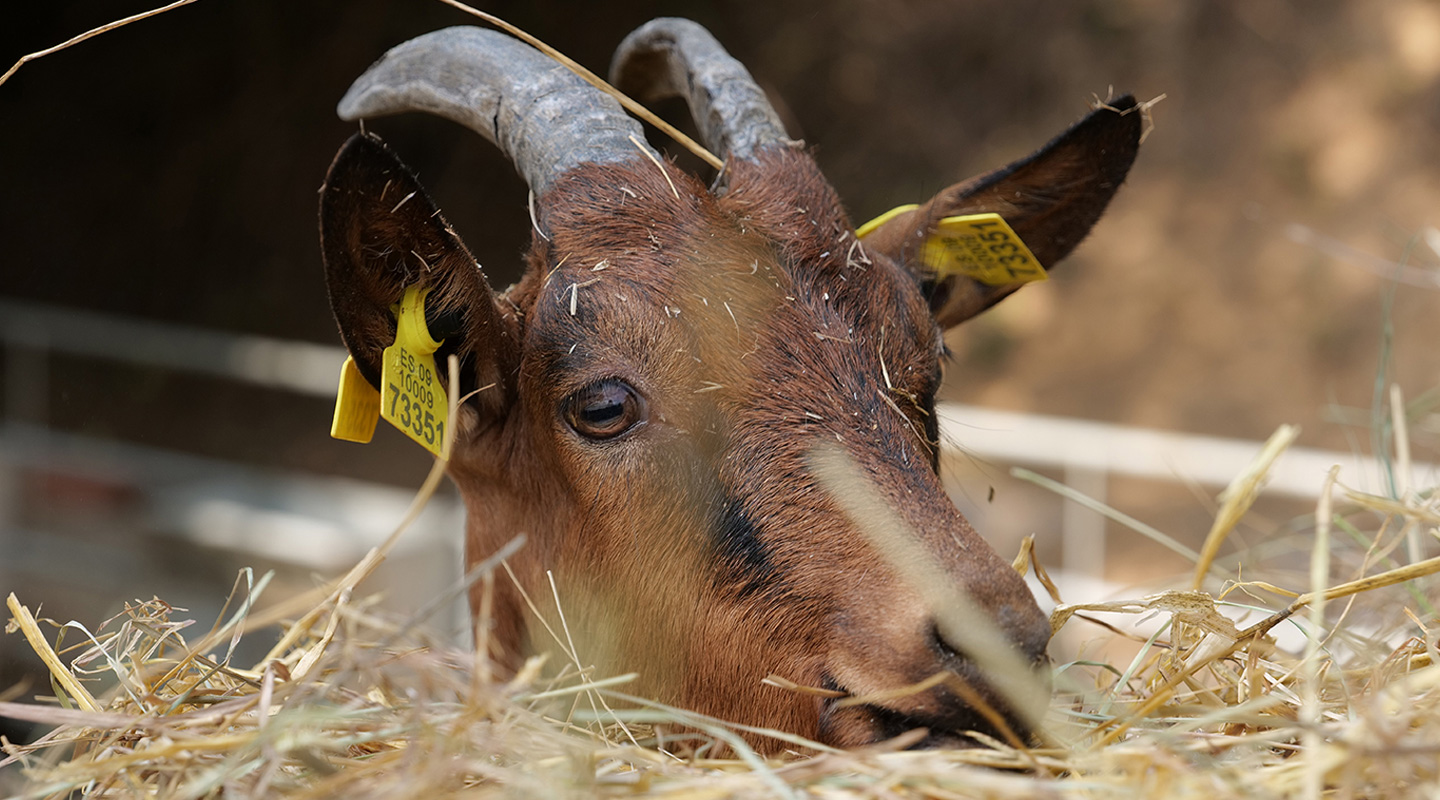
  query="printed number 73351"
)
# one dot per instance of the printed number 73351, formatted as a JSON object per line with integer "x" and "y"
{"x": 414, "y": 416}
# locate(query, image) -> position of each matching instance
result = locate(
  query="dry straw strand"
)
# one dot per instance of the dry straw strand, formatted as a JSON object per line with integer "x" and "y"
{"x": 596, "y": 81}
{"x": 1240, "y": 495}
{"x": 25, "y": 621}
{"x": 90, "y": 34}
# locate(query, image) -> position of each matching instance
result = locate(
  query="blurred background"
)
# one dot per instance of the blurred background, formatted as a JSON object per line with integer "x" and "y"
{"x": 168, "y": 357}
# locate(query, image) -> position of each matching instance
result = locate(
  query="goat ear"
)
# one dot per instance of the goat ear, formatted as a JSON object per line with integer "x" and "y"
{"x": 380, "y": 234}
{"x": 1051, "y": 198}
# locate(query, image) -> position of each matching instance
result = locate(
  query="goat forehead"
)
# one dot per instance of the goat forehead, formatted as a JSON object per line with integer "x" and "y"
{"x": 727, "y": 304}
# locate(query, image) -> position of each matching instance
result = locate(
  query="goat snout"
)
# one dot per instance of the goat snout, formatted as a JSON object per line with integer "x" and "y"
{"x": 1029, "y": 640}
{"x": 1027, "y": 627}
{"x": 953, "y": 690}
{"x": 991, "y": 590}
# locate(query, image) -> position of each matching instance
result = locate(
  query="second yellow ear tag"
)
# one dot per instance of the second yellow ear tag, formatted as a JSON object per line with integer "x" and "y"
{"x": 983, "y": 247}
{"x": 411, "y": 395}
{"x": 979, "y": 246}
{"x": 357, "y": 406}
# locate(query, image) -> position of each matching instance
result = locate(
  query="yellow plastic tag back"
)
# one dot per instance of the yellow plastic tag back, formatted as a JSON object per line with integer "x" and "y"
{"x": 357, "y": 406}
{"x": 979, "y": 246}
{"x": 412, "y": 397}
{"x": 983, "y": 247}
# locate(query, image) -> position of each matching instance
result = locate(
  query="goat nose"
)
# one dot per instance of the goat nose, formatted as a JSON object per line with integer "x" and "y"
{"x": 1006, "y": 600}
{"x": 1023, "y": 624}
{"x": 1027, "y": 626}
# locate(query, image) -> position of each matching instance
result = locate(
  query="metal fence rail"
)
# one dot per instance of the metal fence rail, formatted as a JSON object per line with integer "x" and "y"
{"x": 1087, "y": 452}
{"x": 1071, "y": 444}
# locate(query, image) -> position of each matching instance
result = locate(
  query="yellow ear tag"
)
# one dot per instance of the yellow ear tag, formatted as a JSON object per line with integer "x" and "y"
{"x": 979, "y": 246}
{"x": 357, "y": 406}
{"x": 983, "y": 247}
{"x": 412, "y": 397}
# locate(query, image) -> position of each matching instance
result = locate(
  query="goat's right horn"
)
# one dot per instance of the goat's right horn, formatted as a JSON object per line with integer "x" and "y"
{"x": 545, "y": 118}
{"x": 671, "y": 57}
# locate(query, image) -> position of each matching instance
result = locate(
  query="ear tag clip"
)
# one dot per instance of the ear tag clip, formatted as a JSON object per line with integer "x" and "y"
{"x": 982, "y": 247}
{"x": 869, "y": 227}
{"x": 412, "y": 397}
{"x": 357, "y": 406}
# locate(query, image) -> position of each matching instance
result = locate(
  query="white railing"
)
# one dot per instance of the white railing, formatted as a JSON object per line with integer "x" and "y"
{"x": 1080, "y": 445}
{"x": 1088, "y": 453}
{"x": 316, "y": 522}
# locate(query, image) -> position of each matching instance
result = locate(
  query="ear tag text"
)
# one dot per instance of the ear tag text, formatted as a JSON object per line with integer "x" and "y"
{"x": 357, "y": 406}
{"x": 982, "y": 247}
{"x": 411, "y": 395}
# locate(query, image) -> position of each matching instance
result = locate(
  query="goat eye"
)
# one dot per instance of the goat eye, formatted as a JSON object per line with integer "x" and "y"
{"x": 604, "y": 410}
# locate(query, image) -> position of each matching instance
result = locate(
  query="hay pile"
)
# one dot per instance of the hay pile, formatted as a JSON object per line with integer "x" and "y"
{"x": 352, "y": 702}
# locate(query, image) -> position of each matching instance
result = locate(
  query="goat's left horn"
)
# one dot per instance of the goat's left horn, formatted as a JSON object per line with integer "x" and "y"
{"x": 540, "y": 114}
{"x": 670, "y": 57}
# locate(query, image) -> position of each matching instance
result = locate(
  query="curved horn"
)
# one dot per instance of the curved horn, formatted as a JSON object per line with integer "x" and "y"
{"x": 542, "y": 116}
{"x": 671, "y": 57}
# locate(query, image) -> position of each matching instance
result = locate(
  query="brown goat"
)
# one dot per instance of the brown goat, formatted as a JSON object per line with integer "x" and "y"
{"x": 649, "y": 398}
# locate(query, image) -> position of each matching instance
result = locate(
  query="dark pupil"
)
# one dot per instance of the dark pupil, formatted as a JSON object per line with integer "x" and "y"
{"x": 603, "y": 410}
{"x": 607, "y": 406}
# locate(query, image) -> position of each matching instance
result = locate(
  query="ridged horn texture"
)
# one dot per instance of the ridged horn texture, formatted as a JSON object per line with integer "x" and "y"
{"x": 545, "y": 118}
{"x": 671, "y": 57}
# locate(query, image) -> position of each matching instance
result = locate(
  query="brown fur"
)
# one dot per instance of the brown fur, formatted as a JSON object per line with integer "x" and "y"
{"x": 697, "y": 548}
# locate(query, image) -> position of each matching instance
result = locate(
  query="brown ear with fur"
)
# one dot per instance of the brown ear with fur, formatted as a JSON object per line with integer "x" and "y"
{"x": 380, "y": 234}
{"x": 1051, "y": 198}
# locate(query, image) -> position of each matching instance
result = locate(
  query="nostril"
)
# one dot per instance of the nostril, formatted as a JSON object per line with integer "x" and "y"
{"x": 942, "y": 646}
{"x": 1028, "y": 630}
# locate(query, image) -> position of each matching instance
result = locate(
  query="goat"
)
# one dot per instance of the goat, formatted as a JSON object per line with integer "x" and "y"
{"x": 646, "y": 402}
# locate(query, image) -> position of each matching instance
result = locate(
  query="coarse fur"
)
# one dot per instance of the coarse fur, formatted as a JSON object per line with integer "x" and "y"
{"x": 748, "y": 326}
